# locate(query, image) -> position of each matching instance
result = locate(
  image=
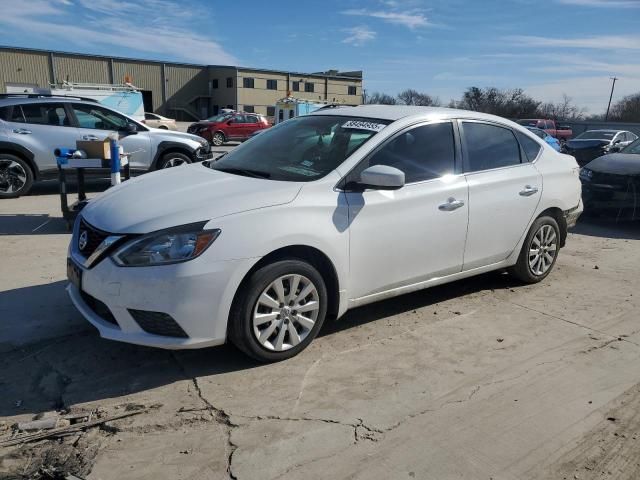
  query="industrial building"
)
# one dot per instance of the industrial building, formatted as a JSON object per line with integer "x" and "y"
{"x": 178, "y": 90}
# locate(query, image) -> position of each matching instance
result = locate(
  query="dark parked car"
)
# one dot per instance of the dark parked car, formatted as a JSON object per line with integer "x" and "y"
{"x": 594, "y": 143}
{"x": 612, "y": 183}
{"x": 226, "y": 127}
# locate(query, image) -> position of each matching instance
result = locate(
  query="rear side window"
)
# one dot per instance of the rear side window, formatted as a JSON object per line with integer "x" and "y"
{"x": 529, "y": 145}
{"x": 52, "y": 114}
{"x": 489, "y": 146}
{"x": 5, "y": 113}
{"x": 422, "y": 153}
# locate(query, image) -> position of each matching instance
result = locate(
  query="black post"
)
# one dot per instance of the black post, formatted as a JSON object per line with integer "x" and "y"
{"x": 606, "y": 118}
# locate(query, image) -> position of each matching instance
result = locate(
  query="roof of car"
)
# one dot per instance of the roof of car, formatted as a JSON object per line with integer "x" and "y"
{"x": 396, "y": 112}
{"x": 606, "y": 130}
{"x": 11, "y": 99}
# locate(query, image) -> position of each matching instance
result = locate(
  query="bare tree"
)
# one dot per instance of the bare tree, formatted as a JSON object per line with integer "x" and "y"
{"x": 378, "y": 98}
{"x": 565, "y": 110}
{"x": 627, "y": 109}
{"x": 413, "y": 97}
{"x": 505, "y": 103}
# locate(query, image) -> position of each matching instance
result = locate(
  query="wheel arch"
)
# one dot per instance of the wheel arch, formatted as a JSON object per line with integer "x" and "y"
{"x": 558, "y": 215}
{"x": 22, "y": 153}
{"x": 315, "y": 257}
{"x": 171, "y": 147}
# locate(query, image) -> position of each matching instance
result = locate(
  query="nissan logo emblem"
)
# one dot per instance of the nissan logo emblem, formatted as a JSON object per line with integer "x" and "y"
{"x": 82, "y": 241}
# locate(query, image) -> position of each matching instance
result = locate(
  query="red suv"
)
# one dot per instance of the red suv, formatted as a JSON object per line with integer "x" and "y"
{"x": 229, "y": 126}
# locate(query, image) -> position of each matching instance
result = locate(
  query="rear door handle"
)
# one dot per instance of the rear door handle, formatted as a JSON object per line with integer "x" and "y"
{"x": 89, "y": 137}
{"x": 451, "y": 205}
{"x": 22, "y": 131}
{"x": 528, "y": 191}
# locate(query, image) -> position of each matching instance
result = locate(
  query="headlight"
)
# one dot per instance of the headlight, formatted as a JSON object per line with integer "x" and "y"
{"x": 586, "y": 174}
{"x": 173, "y": 245}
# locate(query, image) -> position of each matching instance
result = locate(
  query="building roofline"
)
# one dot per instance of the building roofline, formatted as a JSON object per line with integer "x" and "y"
{"x": 182, "y": 64}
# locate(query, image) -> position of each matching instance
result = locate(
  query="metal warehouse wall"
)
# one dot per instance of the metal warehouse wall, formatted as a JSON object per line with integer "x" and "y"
{"x": 579, "y": 127}
{"x": 79, "y": 69}
{"x": 145, "y": 76}
{"x": 184, "y": 85}
{"x": 29, "y": 68}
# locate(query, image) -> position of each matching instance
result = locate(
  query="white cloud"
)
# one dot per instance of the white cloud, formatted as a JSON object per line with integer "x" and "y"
{"x": 601, "y": 42}
{"x": 358, "y": 36}
{"x": 166, "y": 29}
{"x": 603, "y": 3}
{"x": 409, "y": 19}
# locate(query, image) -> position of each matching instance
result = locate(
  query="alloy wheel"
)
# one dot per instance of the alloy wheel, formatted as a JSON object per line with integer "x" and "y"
{"x": 543, "y": 250}
{"x": 12, "y": 176}
{"x": 286, "y": 312}
{"x": 174, "y": 162}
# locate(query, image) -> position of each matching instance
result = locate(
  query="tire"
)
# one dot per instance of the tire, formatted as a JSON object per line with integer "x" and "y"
{"x": 163, "y": 127}
{"x": 218, "y": 139}
{"x": 173, "y": 159}
{"x": 544, "y": 238}
{"x": 16, "y": 177}
{"x": 279, "y": 314}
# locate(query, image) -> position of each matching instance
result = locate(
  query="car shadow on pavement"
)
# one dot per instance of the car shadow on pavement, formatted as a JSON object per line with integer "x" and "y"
{"x": 77, "y": 366}
{"x": 420, "y": 299}
{"x": 31, "y": 224}
{"x": 52, "y": 187}
{"x": 608, "y": 228}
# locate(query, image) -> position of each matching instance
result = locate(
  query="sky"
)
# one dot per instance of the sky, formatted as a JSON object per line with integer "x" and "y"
{"x": 440, "y": 47}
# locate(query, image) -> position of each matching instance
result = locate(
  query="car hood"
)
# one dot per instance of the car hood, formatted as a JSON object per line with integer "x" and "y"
{"x": 582, "y": 144}
{"x": 182, "y": 195}
{"x": 177, "y": 135}
{"x": 617, "y": 164}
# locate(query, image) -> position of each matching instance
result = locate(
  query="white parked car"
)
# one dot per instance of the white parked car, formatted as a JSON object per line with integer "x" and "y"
{"x": 315, "y": 216}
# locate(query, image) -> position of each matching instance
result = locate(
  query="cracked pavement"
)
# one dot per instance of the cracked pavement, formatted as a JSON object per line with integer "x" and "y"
{"x": 482, "y": 378}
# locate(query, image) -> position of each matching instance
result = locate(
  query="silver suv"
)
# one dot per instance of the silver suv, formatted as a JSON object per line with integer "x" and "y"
{"x": 33, "y": 126}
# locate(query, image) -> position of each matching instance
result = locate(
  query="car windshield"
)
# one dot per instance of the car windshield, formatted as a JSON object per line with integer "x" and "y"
{"x": 218, "y": 118}
{"x": 594, "y": 135}
{"x": 632, "y": 148}
{"x": 302, "y": 149}
{"x": 540, "y": 133}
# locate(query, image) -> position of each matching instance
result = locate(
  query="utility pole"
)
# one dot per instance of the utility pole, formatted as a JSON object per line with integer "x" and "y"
{"x": 606, "y": 118}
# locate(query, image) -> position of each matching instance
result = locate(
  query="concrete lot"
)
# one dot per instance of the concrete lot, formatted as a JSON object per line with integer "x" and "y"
{"x": 480, "y": 379}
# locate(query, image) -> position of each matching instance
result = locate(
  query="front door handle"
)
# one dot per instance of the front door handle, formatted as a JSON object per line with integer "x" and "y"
{"x": 451, "y": 205}
{"x": 528, "y": 191}
{"x": 89, "y": 137}
{"x": 22, "y": 131}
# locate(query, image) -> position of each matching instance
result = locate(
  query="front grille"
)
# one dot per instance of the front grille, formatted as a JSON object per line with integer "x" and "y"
{"x": 93, "y": 239}
{"x": 99, "y": 308}
{"x": 158, "y": 323}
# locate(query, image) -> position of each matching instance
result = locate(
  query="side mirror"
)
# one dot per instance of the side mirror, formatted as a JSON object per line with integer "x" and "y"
{"x": 130, "y": 128}
{"x": 382, "y": 177}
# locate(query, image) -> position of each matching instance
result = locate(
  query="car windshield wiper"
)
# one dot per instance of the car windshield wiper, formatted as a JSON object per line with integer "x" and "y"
{"x": 247, "y": 172}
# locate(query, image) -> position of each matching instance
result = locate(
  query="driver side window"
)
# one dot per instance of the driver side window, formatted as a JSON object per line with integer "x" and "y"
{"x": 422, "y": 153}
{"x": 98, "y": 118}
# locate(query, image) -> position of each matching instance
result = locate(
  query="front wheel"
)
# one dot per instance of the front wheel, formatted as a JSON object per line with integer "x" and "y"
{"x": 173, "y": 159}
{"x": 16, "y": 178}
{"x": 279, "y": 311}
{"x": 539, "y": 251}
{"x": 217, "y": 139}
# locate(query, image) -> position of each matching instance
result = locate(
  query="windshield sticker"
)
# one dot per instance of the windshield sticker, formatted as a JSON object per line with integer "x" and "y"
{"x": 360, "y": 125}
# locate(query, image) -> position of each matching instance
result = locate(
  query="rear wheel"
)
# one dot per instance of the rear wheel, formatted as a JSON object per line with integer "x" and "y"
{"x": 173, "y": 159}
{"x": 218, "y": 139}
{"x": 16, "y": 177}
{"x": 539, "y": 251}
{"x": 279, "y": 311}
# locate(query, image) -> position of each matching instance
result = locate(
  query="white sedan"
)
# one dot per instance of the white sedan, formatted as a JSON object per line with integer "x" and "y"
{"x": 315, "y": 216}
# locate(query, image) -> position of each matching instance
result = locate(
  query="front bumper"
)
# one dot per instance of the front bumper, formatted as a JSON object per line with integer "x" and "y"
{"x": 196, "y": 295}
{"x": 610, "y": 196}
